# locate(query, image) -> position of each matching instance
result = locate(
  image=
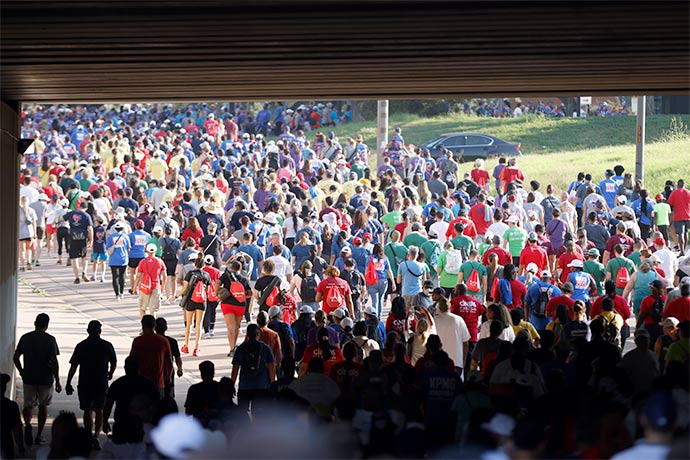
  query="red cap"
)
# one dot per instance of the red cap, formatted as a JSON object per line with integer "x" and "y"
{"x": 367, "y": 235}
{"x": 660, "y": 241}
{"x": 138, "y": 223}
{"x": 659, "y": 197}
{"x": 357, "y": 240}
{"x": 344, "y": 227}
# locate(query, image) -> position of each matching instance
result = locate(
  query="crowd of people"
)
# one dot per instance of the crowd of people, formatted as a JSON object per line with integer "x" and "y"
{"x": 424, "y": 308}
{"x": 504, "y": 108}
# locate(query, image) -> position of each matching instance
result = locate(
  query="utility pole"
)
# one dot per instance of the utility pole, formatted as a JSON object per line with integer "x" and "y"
{"x": 639, "y": 151}
{"x": 381, "y": 130}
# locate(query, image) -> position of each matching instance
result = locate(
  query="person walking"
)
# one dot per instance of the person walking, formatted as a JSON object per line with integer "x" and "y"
{"x": 212, "y": 301}
{"x": 80, "y": 238}
{"x": 27, "y": 233}
{"x": 153, "y": 354}
{"x": 96, "y": 360}
{"x": 384, "y": 275}
{"x": 194, "y": 302}
{"x": 254, "y": 364}
{"x": 234, "y": 294}
{"x": 39, "y": 372}
{"x": 118, "y": 247}
{"x": 151, "y": 276}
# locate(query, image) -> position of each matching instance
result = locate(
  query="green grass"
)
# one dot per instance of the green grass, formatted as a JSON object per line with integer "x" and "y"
{"x": 537, "y": 134}
{"x": 663, "y": 161}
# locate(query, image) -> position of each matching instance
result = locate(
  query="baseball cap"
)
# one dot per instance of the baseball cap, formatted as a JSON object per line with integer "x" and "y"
{"x": 670, "y": 322}
{"x": 370, "y": 310}
{"x": 512, "y": 220}
{"x": 157, "y": 229}
{"x": 532, "y": 267}
{"x": 138, "y": 223}
{"x": 545, "y": 274}
{"x": 42, "y": 197}
{"x": 339, "y": 313}
{"x": 232, "y": 241}
{"x": 567, "y": 287}
{"x": 208, "y": 259}
{"x": 577, "y": 263}
{"x": 432, "y": 234}
{"x": 532, "y": 236}
{"x": 306, "y": 309}
{"x": 346, "y": 250}
{"x": 439, "y": 290}
{"x": 152, "y": 248}
{"x": 347, "y": 322}
{"x": 659, "y": 241}
{"x": 366, "y": 235}
{"x": 621, "y": 199}
{"x": 593, "y": 252}
{"x": 118, "y": 226}
{"x": 684, "y": 280}
{"x": 274, "y": 311}
{"x": 656, "y": 284}
{"x": 192, "y": 255}
{"x": 357, "y": 240}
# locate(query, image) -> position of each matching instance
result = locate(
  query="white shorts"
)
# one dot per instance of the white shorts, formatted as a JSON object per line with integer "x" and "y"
{"x": 37, "y": 395}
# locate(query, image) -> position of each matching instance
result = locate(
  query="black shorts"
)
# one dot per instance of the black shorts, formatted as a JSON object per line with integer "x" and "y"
{"x": 77, "y": 249}
{"x": 170, "y": 266}
{"x": 194, "y": 306}
{"x": 26, "y": 239}
{"x": 134, "y": 262}
{"x": 39, "y": 233}
{"x": 681, "y": 226}
{"x": 91, "y": 397}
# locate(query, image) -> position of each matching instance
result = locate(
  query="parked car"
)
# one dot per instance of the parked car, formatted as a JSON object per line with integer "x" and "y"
{"x": 470, "y": 146}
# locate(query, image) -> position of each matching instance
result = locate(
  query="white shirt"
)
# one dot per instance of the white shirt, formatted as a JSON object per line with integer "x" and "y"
{"x": 29, "y": 192}
{"x": 282, "y": 267}
{"x": 498, "y": 228}
{"x": 440, "y": 229}
{"x": 507, "y": 334}
{"x": 453, "y": 332}
{"x": 517, "y": 113}
{"x": 642, "y": 450}
{"x": 669, "y": 264}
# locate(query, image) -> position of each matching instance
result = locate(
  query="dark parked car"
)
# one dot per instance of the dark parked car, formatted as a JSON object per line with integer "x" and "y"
{"x": 470, "y": 146}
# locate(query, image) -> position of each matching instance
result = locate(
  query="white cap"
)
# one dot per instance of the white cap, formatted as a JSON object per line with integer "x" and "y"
{"x": 193, "y": 255}
{"x": 347, "y": 322}
{"x": 151, "y": 248}
{"x": 339, "y": 313}
{"x": 545, "y": 274}
{"x": 232, "y": 241}
{"x": 370, "y": 310}
{"x": 532, "y": 267}
{"x": 622, "y": 199}
{"x": 274, "y": 311}
{"x": 306, "y": 309}
{"x": 576, "y": 263}
{"x": 157, "y": 229}
{"x": 118, "y": 225}
{"x": 43, "y": 197}
{"x": 513, "y": 220}
{"x": 208, "y": 259}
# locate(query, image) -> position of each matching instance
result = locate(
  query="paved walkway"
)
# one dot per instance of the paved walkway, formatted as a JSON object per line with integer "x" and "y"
{"x": 50, "y": 289}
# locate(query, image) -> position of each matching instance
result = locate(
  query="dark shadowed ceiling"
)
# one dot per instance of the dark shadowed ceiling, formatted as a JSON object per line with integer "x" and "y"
{"x": 239, "y": 50}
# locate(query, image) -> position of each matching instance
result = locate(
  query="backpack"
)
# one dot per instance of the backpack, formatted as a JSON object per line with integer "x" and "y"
{"x": 345, "y": 337}
{"x": 167, "y": 226}
{"x": 370, "y": 275}
{"x": 473, "y": 283}
{"x": 168, "y": 252}
{"x": 489, "y": 358}
{"x": 433, "y": 258}
{"x": 505, "y": 293}
{"x": 356, "y": 281}
{"x": 374, "y": 333}
{"x": 612, "y": 334}
{"x": 359, "y": 356}
{"x": 539, "y": 308}
{"x": 622, "y": 277}
{"x": 199, "y": 292}
{"x": 252, "y": 358}
{"x": 453, "y": 261}
{"x": 307, "y": 288}
{"x": 333, "y": 298}
{"x": 657, "y": 309}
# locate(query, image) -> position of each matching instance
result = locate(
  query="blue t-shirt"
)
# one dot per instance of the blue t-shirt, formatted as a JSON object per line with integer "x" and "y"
{"x": 534, "y": 291}
{"x": 581, "y": 283}
{"x": 361, "y": 257}
{"x": 608, "y": 191}
{"x": 250, "y": 380}
{"x": 382, "y": 266}
{"x": 79, "y": 221}
{"x": 300, "y": 253}
{"x": 412, "y": 276}
{"x": 99, "y": 239}
{"x": 120, "y": 244}
{"x": 636, "y": 206}
{"x": 256, "y": 255}
{"x": 137, "y": 242}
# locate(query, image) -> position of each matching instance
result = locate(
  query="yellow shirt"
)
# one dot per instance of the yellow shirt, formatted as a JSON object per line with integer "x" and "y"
{"x": 158, "y": 168}
{"x": 530, "y": 329}
{"x": 175, "y": 161}
{"x": 325, "y": 185}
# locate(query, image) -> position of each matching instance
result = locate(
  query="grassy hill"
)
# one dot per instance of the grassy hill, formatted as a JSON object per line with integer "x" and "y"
{"x": 537, "y": 134}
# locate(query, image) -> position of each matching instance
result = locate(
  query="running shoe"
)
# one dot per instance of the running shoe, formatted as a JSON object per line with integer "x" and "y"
{"x": 77, "y": 281}
{"x": 184, "y": 349}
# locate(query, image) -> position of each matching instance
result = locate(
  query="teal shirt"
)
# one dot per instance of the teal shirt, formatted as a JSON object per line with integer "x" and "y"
{"x": 463, "y": 242}
{"x": 466, "y": 270}
{"x": 395, "y": 252}
{"x": 415, "y": 239}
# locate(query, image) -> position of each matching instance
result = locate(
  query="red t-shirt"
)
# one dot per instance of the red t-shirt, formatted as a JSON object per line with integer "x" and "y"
{"x": 534, "y": 254}
{"x": 510, "y": 174}
{"x": 478, "y": 216}
{"x": 470, "y": 230}
{"x": 314, "y": 351}
{"x": 504, "y": 257}
{"x": 480, "y": 176}
{"x": 470, "y": 310}
{"x": 620, "y": 305}
{"x": 340, "y": 374}
{"x": 517, "y": 290}
{"x": 155, "y": 358}
{"x": 151, "y": 267}
{"x": 189, "y": 233}
{"x": 646, "y": 307}
{"x": 555, "y": 301}
{"x": 623, "y": 240}
{"x": 679, "y": 200}
{"x": 678, "y": 308}
{"x": 395, "y": 324}
{"x": 563, "y": 262}
{"x": 323, "y": 288}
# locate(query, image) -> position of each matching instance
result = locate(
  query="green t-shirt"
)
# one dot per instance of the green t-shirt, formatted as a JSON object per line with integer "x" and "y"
{"x": 466, "y": 270}
{"x": 358, "y": 169}
{"x": 85, "y": 184}
{"x": 392, "y": 218}
{"x": 159, "y": 250}
{"x": 662, "y": 211}
{"x": 463, "y": 242}
{"x": 636, "y": 258}
{"x": 597, "y": 271}
{"x": 482, "y": 248}
{"x": 516, "y": 238}
{"x": 445, "y": 279}
{"x": 415, "y": 239}
{"x": 429, "y": 247}
{"x": 678, "y": 351}
{"x": 395, "y": 252}
{"x": 615, "y": 264}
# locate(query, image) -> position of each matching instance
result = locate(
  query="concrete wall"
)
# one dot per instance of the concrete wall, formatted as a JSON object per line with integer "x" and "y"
{"x": 9, "y": 209}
